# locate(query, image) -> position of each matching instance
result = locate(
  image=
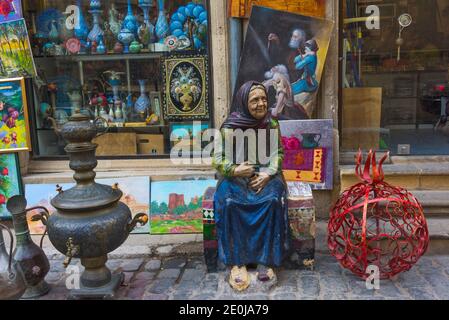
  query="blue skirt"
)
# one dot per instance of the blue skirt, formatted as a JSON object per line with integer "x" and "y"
{"x": 252, "y": 228}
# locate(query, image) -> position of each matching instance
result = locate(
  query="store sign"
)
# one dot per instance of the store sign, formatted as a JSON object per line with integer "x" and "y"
{"x": 242, "y": 8}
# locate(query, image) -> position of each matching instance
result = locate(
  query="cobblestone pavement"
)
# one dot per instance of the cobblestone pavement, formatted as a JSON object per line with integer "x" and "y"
{"x": 184, "y": 277}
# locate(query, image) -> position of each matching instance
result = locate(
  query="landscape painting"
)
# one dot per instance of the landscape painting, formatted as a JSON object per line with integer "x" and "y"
{"x": 10, "y": 181}
{"x": 15, "y": 51}
{"x": 10, "y": 10}
{"x": 40, "y": 195}
{"x": 176, "y": 206}
{"x": 308, "y": 152}
{"x": 136, "y": 195}
{"x": 14, "y": 128}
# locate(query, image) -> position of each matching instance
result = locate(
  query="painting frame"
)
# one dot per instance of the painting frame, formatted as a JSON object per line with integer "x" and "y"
{"x": 310, "y": 158}
{"x": 20, "y": 187}
{"x": 242, "y": 8}
{"x": 136, "y": 195}
{"x": 26, "y": 125}
{"x": 189, "y": 219}
{"x": 26, "y": 67}
{"x": 286, "y": 52}
{"x": 18, "y": 14}
{"x": 174, "y": 107}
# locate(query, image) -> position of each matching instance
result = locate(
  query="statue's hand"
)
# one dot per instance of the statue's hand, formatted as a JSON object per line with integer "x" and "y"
{"x": 259, "y": 181}
{"x": 244, "y": 170}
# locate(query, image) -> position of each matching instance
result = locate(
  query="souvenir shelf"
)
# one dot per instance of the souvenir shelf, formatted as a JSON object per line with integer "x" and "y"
{"x": 109, "y": 65}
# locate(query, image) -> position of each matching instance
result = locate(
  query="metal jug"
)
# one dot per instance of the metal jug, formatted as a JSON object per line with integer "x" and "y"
{"x": 12, "y": 285}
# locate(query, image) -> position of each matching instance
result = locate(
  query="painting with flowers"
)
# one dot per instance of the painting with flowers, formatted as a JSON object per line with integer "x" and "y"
{"x": 308, "y": 152}
{"x": 10, "y": 181}
{"x": 10, "y": 10}
{"x": 14, "y": 128}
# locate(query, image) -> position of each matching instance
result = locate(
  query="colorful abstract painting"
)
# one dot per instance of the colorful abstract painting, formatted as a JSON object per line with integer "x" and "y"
{"x": 136, "y": 195}
{"x": 16, "y": 57}
{"x": 10, "y": 10}
{"x": 308, "y": 152}
{"x": 10, "y": 181}
{"x": 287, "y": 53}
{"x": 177, "y": 206}
{"x": 14, "y": 124}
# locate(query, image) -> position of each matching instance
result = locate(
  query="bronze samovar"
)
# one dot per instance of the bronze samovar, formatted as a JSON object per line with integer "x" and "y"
{"x": 90, "y": 221}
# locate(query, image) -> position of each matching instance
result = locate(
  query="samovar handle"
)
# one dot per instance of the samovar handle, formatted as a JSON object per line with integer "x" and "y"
{"x": 141, "y": 218}
{"x": 41, "y": 216}
{"x": 11, "y": 246}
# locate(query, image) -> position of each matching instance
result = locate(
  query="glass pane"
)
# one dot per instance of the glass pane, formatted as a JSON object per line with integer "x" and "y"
{"x": 105, "y": 58}
{"x": 395, "y": 77}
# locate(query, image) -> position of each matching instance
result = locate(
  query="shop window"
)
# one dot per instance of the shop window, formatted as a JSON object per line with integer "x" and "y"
{"x": 139, "y": 66}
{"x": 395, "y": 77}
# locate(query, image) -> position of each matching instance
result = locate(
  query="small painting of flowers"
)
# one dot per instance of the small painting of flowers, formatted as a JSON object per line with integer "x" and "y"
{"x": 14, "y": 128}
{"x": 10, "y": 10}
{"x": 10, "y": 181}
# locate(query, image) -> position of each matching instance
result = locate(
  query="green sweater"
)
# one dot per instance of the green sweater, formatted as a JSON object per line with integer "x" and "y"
{"x": 227, "y": 166}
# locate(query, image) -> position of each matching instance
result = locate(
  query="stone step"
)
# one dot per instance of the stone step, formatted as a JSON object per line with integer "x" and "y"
{"x": 438, "y": 230}
{"x": 412, "y": 176}
{"x": 434, "y": 202}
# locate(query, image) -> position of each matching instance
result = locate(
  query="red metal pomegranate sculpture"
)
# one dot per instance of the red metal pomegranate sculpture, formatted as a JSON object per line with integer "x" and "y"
{"x": 376, "y": 224}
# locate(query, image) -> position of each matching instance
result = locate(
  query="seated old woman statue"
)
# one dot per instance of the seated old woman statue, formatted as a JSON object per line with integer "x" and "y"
{"x": 251, "y": 199}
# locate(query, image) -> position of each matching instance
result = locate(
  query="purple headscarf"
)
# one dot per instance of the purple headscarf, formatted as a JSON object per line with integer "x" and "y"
{"x": 241, "y": 118}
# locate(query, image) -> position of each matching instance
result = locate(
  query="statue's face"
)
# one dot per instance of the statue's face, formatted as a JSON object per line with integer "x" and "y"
{"x": 258, "y": 104}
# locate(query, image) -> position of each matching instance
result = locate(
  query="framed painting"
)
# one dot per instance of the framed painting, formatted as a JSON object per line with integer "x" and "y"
{"x": 16, "y": 59}
{"x": 187, "y": 131}
{"x": 177, "y": 206}
{"x": 10, "y": 181}
{"x": 308, "y": 152}
{"x": 136, "y": 195}
{"x": 286, "y": 52}
{"x": 14, "y": 125}
{"x": 156, "y": 103}
{"x": 313, "y": 8}
{"x": 11, "y": 10}
{"x": 185, "y": 87}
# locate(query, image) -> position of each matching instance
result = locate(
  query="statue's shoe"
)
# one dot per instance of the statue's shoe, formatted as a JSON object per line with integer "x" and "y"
{"x": 264, "y": 273}
{"x": 239, "y": 279}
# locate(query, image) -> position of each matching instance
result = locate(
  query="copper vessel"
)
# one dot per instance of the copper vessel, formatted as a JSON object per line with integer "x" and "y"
{"x": 90, "y": 221}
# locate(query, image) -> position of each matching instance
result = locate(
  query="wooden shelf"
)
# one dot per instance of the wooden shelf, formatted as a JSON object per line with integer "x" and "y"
{"x": 105, "y": 57}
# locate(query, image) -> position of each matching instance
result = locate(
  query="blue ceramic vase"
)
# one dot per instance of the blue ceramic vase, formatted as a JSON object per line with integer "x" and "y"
{"x": 126, "y": 37}
{"x": 53, "y": 35}
{"x": 95, "y": 10}
{"x": 130, "y": 21}
{"x": 101, "y": 48}
{"x": 162, "y": 27}
{"x": 143, "y": 102}
{"x": 145, "y": 5}
{"x": 82, "y": 31}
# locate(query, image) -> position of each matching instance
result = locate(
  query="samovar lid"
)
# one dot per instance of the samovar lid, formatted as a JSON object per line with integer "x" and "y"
{"x": 86, "y": 197}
